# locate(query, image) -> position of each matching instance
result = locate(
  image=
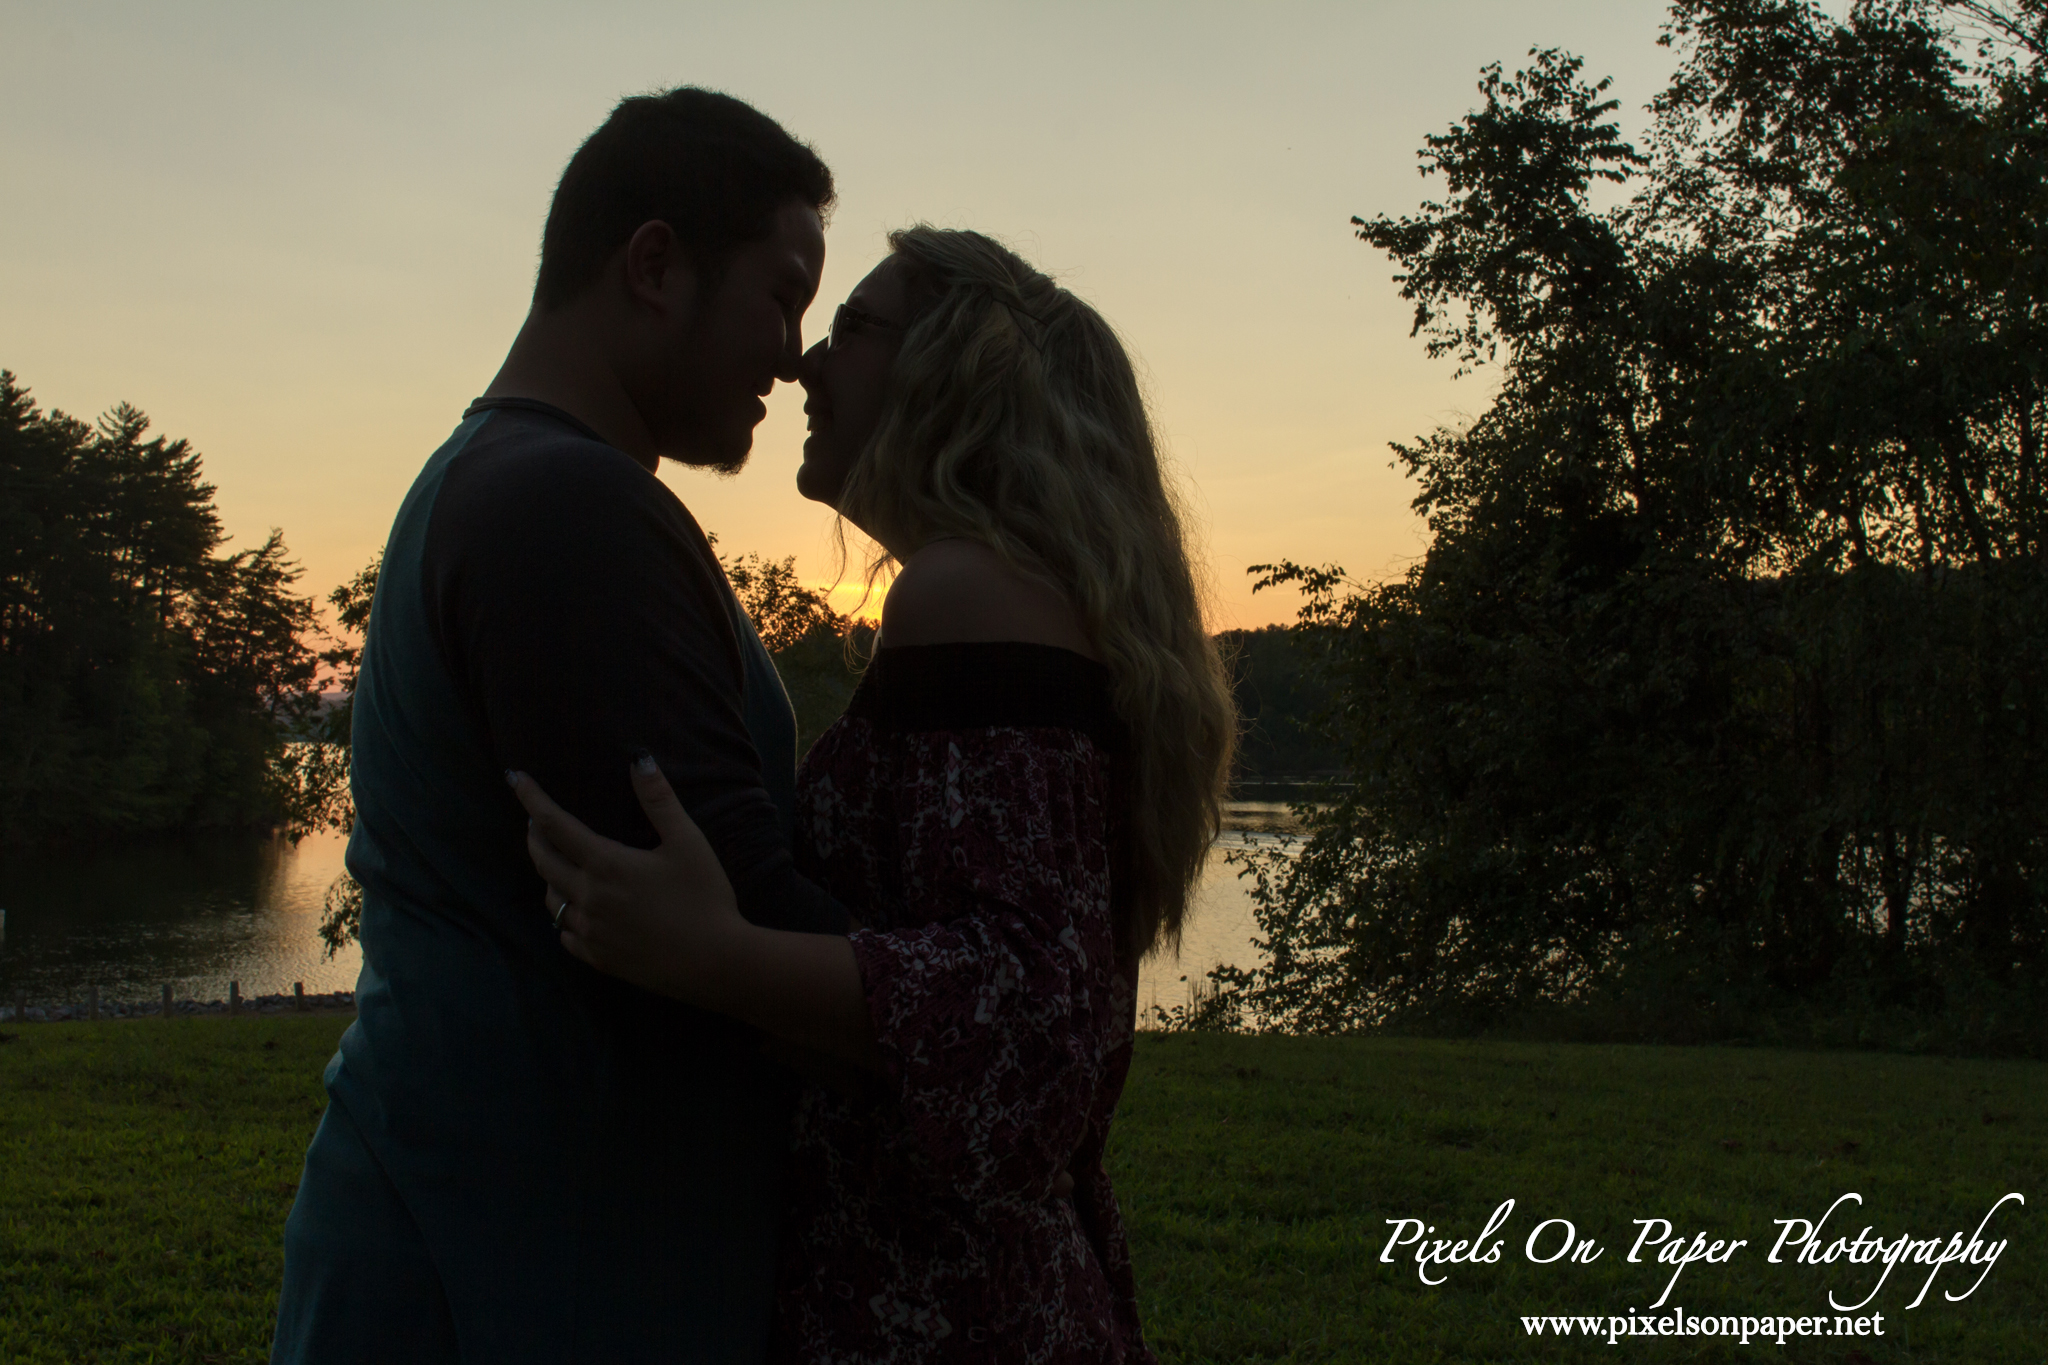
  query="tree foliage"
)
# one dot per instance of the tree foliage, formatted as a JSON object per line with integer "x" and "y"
{"x": 1714, "y": 707}
{"x": 149, "y": 681}
{"x": 818, "y": 651}
{"x": 1278, "y": 694}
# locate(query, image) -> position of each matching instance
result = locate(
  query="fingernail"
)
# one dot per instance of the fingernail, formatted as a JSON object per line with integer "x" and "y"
{"x": 643, "y": 761}
{"x": 511, "y": 777}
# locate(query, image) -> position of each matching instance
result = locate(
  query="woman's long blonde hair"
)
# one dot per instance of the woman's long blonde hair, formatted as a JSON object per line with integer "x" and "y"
{"x": 1014, "y": 418}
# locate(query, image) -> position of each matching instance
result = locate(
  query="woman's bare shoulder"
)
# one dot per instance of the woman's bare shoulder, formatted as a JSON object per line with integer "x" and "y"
{"x": 955, "y": 591}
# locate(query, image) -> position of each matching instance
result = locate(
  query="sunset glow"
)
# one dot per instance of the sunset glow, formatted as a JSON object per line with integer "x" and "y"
{"x": 302, "y": 238}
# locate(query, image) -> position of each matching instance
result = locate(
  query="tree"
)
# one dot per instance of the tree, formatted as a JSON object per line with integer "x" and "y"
{"x": 147, "y": 681}
{"x": 313, "y": 773}
{"x": 817, "y": 651}
{"x": 1278, "y": 697}
{"x": 323, "y": 800}
{"x": 1709, "y": 709}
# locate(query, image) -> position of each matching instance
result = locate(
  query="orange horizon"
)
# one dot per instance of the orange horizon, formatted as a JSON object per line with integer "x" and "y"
{"x": 322, "y": 289}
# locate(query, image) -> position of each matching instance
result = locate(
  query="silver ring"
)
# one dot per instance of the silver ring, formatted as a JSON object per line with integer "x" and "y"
{"x": 561, "y": 912}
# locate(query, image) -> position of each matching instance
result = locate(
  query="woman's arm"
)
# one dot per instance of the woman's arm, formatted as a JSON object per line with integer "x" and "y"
{"x": 666, "y": 919}
{"x": 993, "y": 1026}
{"x": 997, "y": 1016}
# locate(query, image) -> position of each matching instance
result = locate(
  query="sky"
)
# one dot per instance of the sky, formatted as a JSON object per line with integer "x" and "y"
{"x": 301, "y": 236}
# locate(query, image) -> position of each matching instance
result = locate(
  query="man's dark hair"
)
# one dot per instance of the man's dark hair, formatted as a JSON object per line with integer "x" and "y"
{"x": 713, "y": 168}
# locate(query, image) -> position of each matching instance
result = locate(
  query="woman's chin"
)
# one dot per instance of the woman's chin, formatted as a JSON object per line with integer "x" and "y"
{"x": 815, "y": 477}
{"x": 812, "y": 486}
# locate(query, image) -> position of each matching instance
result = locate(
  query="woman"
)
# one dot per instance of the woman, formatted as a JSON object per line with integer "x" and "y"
{"x": 1014, "y": 808}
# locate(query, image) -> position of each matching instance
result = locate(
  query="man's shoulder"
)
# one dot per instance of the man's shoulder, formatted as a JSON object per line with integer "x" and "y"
{"x": 531, "y": 509}
{"x": 517, "y": 448}
{"x": 525, "y": 472}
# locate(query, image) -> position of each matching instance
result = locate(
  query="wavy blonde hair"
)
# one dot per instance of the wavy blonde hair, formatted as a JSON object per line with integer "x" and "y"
{"x": 1013, "y": 418}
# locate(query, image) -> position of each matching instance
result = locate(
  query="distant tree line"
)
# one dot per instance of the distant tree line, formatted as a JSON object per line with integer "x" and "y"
{"x": 820, "y": 654}
{"x": 1280, "y": 696}
{"x": 1716, "y": 707}
{"x": 149, "y": 679}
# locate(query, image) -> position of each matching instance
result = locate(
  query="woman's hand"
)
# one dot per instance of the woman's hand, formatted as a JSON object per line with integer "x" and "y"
{"x": 663, "y": 918}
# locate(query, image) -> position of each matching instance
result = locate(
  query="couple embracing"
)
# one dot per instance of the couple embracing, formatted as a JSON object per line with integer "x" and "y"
{"x": 666, "y": 1048}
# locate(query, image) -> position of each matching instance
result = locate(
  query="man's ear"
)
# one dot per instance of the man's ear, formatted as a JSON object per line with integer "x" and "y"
{"x": 660, "y": 274}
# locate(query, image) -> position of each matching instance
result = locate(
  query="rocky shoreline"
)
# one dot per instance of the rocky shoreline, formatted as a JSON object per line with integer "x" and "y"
{"x": 116, "y": 1009}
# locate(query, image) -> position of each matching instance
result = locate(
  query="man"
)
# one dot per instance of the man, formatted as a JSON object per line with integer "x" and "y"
{"x": 522, "y": 1160}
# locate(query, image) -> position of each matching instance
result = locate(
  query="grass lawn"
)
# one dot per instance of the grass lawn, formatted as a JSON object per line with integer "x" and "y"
{"x": 146, "y": 1168}
{"x": 1257, "y": 1175}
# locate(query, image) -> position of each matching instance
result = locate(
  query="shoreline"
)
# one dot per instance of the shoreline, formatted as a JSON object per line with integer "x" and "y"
{"x": 333, "y": 1002}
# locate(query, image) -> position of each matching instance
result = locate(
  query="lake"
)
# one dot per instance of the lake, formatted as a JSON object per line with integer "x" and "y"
{"x": 198, "y": 914}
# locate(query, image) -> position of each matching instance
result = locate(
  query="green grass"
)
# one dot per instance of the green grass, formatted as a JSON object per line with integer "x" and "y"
{"x": 1256, "y": 1176}
{"x": 146, "y": 1169}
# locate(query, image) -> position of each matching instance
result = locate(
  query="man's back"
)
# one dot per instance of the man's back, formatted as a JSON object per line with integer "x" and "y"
{"x": 578, "y": 1169}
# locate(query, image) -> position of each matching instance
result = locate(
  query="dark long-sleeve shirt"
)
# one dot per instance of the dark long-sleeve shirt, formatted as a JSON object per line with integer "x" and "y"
{"x": 595, "y": 1171}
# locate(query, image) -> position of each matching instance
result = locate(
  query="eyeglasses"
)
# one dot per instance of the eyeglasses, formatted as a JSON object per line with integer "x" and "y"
{"x": 847, "y": 320}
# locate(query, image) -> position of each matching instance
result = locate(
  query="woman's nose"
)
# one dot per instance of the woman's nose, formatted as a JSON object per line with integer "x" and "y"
{"x": 805, "y": 371}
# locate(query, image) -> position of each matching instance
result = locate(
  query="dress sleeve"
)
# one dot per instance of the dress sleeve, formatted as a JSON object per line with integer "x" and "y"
{"x": 995, "y": 1016}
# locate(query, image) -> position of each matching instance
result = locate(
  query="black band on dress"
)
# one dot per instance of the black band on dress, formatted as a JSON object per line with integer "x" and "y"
{"x": 974, "y": 685}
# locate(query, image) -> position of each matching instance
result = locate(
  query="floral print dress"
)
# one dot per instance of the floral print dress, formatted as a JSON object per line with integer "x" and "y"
{"x": 963, "y": 809}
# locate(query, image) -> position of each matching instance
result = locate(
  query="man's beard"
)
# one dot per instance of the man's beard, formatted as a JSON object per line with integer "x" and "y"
{"x": 716, "y": 456}
{"x": 725, "y": 469}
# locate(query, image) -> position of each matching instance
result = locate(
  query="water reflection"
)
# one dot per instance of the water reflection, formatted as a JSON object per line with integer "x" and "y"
{"x": 198, "y": 914}
{"x": 193, "y": 914}
{"x": 1220, "y": 926}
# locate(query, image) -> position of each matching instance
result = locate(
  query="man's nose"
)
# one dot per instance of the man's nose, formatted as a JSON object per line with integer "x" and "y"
{"x": 790, "y": 365}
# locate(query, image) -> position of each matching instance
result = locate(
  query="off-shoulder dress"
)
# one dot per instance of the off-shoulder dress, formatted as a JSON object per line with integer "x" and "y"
{"x": 965, "y": 809}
